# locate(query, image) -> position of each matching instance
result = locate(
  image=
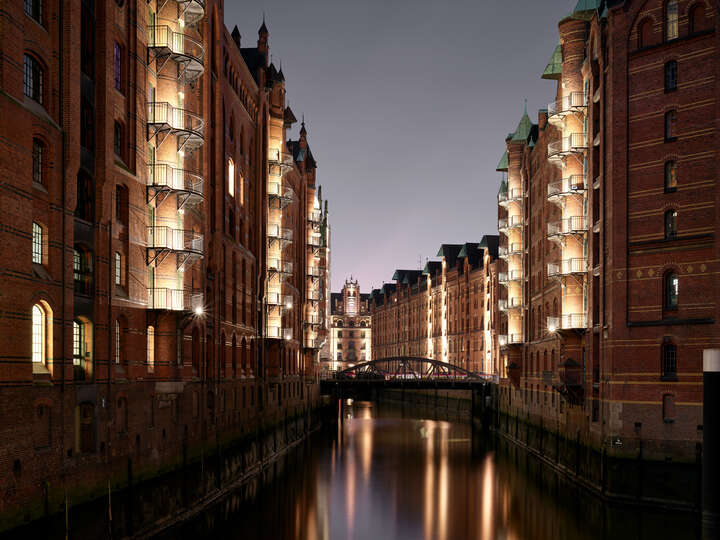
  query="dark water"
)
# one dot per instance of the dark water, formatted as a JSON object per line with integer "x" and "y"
{"x": 384, "y": 475}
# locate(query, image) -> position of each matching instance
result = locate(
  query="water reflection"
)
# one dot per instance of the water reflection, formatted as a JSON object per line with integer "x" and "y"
{"x": 382, "y": 476}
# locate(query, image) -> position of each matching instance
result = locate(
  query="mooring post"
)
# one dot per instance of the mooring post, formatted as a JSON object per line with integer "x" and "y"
{"x": 711, "y": 445}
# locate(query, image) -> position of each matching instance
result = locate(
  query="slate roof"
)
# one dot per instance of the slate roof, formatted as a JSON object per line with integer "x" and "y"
{"x": 431, "y": 267}
{"x": 450, "y": 253}
{"x": 491, "y": 242}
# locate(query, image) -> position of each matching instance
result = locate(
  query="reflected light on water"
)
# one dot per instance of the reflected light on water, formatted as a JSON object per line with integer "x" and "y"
{"x": 487, "y": 513}
{"x": 428, "y": 432}
{"x": 443, "y": 487}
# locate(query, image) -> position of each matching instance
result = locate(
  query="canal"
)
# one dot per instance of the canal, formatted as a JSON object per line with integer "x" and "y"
{"x": 386, "y": 473}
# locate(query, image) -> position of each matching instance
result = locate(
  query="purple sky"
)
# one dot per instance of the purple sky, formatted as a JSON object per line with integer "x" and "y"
{"x": 407, "y": 104}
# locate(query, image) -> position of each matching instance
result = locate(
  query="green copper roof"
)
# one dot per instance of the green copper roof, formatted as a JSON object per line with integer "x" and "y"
{"x": 523, "y": 130}
{"x": 503, "y": 164}
{"x": 587, "y": 5}
{"x": 554, "y": 68}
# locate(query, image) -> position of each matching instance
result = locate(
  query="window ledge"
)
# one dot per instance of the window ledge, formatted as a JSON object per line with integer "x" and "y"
{"x": 40, "y": 271}
{"x": 39, "y": 187}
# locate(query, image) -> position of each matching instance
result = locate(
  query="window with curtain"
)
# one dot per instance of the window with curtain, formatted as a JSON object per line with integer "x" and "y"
{"x": 671, "y": 20}
{"x": 670, "y": 176}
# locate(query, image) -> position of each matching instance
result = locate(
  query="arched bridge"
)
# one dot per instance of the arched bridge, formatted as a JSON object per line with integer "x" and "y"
{"x": 407, "y": 372}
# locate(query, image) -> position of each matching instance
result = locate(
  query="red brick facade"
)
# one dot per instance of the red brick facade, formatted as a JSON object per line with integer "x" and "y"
{"x": 152, "y": 203}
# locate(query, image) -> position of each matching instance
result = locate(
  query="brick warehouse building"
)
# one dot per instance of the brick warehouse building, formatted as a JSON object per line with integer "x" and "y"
{"x": 350, "y": 329}
{"x": 166, "y": 249}
{"x": 605, "y": 291}
{"x": 444, "y": 312}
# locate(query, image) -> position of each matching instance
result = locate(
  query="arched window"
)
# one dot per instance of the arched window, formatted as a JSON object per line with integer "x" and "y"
{"x": 671, "y": 75}
{"x": 670, "y": 224}
{"x": 670, "y": 177}
{"x": 39, "y": 335}
{"x": 151, "y": 349}
{"x": 672, "y": 290}
{"x": 645, "y": 30}
{"x": 33, "y": 79}
{"x": 669, "y": 359}
{"x": 78, "y": 350}
{"x": 670, "y": 125}
{"x": 671, "y": 20}
{"x": 38, "y": 159}
{"x": 696, "y": 18}
{"x": 231, "y": 177}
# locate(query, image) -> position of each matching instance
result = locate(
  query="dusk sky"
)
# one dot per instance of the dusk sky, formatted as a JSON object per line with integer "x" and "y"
{"x": 407, "y": 105}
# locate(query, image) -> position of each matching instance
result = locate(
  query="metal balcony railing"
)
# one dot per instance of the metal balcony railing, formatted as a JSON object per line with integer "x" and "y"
{"x": 279, "y": 266}
{"x": 192, "y": 10}
{"x": 514, "y": 302}
{"x": 572, "y": 144}
{"x": 567, "y": 321}
{"x": 502, "y": 305}
{"x": 174, "y": 299}
{"x": 572, "y": 185}
{"x": 187, "y": 125}
{"x": 314, "y": 296}
{"x": 314, "y": 271}
{"x": 165, "y": 177}
{"x": 186, "y": 51}
{"x": 277, "y": 299}
{"x": 509, "y": 339}
{"x": 174, "y": 239}
{"x": 314, "y": 240}
{"x": 287, "y": 333}
{"x": 312, "y": 343}
{"x": 313, "y": 319}
{"x": 514, "y": 248}
{"x": 511, "y": 195}
{"x": 574, "y": 265}
{"x": 574, "y": 102}
{"x": 273, "y": 332}
{"x": 276, "y": 232}
{"x": 278, "y": 159}
{"x": 315, "y": 217}
{"x": 571, "y": 225}
{"x": 284, "y": 195}
{"x": 511, "y": 222}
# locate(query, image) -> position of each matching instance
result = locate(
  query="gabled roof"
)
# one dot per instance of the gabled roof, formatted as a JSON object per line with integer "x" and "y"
{"x": 522, "y": 132}
{"x": 503, "y": 163}
{"x": 406, "y": 276}
{"x": 491, "y": 242}
{"x": 431, "y": 267}
{"x": 553, "y": 70}
{"x": 449, "y": 252}
{"x": 472, "y": 252}
{"x": 503, "y": 187}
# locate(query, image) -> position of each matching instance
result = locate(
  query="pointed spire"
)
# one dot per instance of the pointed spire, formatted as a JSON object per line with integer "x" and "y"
{"x": 525, "y": 112}
{"x": 236, "y": 36}
{"x": 263, "y": 29}
{"x": 303, "y": 131}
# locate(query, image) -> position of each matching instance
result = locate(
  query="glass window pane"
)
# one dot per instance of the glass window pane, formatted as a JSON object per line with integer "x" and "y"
{"x": 38, "y": 334}
{"x": 37, "y": 242}
{"x": 671, "y": 19}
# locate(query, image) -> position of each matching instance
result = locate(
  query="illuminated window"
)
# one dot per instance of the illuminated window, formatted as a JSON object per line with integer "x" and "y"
{"x": 118, "y": 268}
{"x": 671, "y": 20}
{"x": 231, "y": 177}
{"x": 37, "y": 243}
{"x": 151, "y": 348}
{"x": 33, "y": 79}
{"x": 38, "y": 334}
{"x": 670, "y": 224}
{"x": 670, "y": 177}
{"x": 671, "y": 290}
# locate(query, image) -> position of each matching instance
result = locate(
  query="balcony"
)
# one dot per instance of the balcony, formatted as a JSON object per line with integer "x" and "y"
{"x": 509, "y": 339}
{"x": 567, "y": 321}
{"x": 572, "y": 185}
{"x": 279, "y": 235}
{"x": 167, "y": 45}
{"x": 279, "y": 194}
{"x": 277, "y": 266}
{"x": 163, "y": 241}
{"x": 573, "y": 103}
{"x": 575, "y": 143}
{"x": 279, "y": 162}
{"x": 510, "y": 196}
{"x": 574, "y": 225}
{"x": 314, "y": 296}
{"x": 315, "y": 219}
{"x": 163, "y": 119}
{"x": 279, "y": 300}
{"x": 314, "y": 271}
{"x": 505, "y": 278}
{"x": 164, "y": 180}
{"x": 510, "y": 304}
{"x": 575, "y": 265}
{"x": 312, "y": 343}
{"x": 192, "y": 10}
{"x": 515, "y": 248}
{"x": 313, "y": 320}
{"x": 174, "y": 299}
{"x": 512, "y": 222}
{"x": 314, "y": 240}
